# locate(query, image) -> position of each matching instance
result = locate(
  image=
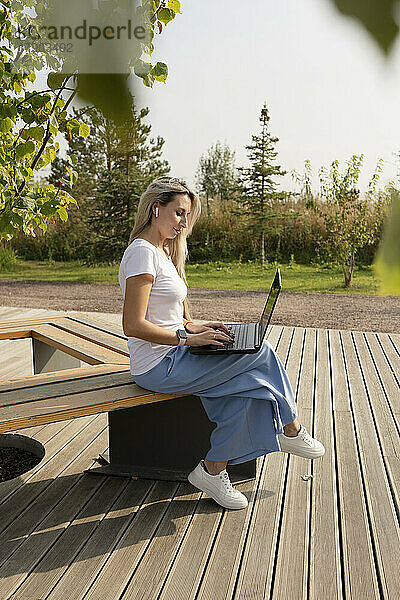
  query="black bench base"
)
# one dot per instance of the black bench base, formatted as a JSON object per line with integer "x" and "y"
{"x": 163, "y": 440}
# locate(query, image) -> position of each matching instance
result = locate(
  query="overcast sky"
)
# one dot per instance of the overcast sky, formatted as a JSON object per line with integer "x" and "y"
{"x": 329, "y": 90}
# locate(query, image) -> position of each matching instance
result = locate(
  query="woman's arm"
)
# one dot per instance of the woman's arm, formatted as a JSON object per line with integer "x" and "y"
{"x": 134, "y": 324}
{"x": 186, "y": 315}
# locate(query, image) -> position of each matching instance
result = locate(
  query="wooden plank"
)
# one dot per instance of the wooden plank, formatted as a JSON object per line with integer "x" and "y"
{"x": 15, "y": 358}
{"x": 359, "y": 576}
{"x": 376, "y": 373}
{"x": 31, "y": 536}
{"x": 391, "y": 349}
{"x": 93, "y": 556}
{"x": 325, "y": 556}
{"x": 77, "y": 405}
{"x": 101, "y": 337}
{"x": 155, "y": 565}
{"x": 63, "y": 388}
{"x": 23, "y": 508}
{"x": 98, "y": 322}
{"x": 341, "y": 398}
{"x": 21, "y": 321}
{"x": 392, "y": 359}
{"x": 381, "y": 511}
{"x": 387, "y": 424}
{"x": 75, "y": 346}
{"x": 395, "y": 337}
{"x": 16, "y": 332}
{"x": 293, "y": 543}
{"x": 129, "y": 550}
{"x": 20, "y": 383}
{"x": 43, "y": 558}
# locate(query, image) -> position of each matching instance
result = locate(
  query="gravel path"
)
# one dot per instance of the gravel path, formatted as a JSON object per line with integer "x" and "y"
{"x": 330, "y": 311}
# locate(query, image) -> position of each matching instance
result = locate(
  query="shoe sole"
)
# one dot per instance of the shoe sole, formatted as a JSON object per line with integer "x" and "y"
{"x": 316, "y": 454}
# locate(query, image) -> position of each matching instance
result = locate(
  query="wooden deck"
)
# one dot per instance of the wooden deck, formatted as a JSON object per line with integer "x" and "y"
{"x": 66, "y": 534}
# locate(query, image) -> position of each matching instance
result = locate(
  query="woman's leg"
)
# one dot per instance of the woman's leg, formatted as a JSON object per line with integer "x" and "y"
{"x": 215, "y": 467}
{"x": 241, "y": 393}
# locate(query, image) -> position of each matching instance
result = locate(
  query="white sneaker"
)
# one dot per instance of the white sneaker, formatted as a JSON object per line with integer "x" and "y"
{"x": 302, "y": 444}
{"x": 218, "y": 487}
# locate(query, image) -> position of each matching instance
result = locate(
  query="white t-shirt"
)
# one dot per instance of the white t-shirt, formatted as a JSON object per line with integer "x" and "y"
{"x": 165, "y": 307}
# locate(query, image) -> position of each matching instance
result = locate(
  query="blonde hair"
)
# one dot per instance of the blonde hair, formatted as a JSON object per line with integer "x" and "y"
{"x": 162, "y": 190}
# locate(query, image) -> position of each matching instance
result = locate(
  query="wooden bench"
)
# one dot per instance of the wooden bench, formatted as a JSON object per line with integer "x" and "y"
{"x": 151, "y": 435}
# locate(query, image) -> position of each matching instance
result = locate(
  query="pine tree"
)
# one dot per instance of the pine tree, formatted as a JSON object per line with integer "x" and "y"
{"x": 113, "y": 171}
{"x": 258, "y": 189}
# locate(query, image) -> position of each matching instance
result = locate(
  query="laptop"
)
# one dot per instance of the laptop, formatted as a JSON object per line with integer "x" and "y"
{"x": 248, "y": 337}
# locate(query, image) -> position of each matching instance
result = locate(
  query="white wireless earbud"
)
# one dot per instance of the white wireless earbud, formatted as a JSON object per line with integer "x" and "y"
{"x": 156, "y": 211}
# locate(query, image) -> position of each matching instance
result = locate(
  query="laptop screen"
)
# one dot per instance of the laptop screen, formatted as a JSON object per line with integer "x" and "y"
{"x": 270, "y": 303}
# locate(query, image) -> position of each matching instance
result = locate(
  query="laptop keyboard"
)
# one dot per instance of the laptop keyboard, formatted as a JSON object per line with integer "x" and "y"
{"x": 244, "y": 336}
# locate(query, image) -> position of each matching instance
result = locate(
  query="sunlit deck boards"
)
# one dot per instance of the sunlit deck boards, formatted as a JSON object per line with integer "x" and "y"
{"x": 64, "y": 533}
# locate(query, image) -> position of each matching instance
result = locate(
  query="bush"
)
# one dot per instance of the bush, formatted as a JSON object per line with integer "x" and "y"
{"x": 8, "y": 260}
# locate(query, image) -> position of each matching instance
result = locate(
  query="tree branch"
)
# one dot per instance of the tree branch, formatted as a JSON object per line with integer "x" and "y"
{"x": 47, "y": 135}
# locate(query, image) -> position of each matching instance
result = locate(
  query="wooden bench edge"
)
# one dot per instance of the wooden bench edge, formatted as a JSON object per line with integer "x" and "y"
{"x": 65, "y": 415}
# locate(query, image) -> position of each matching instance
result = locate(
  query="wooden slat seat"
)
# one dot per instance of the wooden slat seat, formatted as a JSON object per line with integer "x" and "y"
{"x": 64, "y": 400}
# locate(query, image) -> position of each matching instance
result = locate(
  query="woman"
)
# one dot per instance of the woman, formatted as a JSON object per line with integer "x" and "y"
{"x": 244, "y": 394}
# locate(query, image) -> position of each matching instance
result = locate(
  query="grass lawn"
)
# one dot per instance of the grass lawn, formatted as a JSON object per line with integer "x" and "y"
{"x": 218, "y": 275}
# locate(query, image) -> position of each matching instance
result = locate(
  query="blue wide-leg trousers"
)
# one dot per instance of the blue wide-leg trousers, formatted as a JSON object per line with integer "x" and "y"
{"x": 248, "y": 396}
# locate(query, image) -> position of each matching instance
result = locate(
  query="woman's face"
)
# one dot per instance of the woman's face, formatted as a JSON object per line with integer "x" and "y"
{"x": 172, "y": 219}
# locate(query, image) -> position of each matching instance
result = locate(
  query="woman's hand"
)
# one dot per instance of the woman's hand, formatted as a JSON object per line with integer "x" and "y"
{"x": 192, "y": 328}
{"x": 208, "y": 337}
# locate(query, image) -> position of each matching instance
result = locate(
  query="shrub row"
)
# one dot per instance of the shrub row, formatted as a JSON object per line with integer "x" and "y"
{"x": 295, "y": 233}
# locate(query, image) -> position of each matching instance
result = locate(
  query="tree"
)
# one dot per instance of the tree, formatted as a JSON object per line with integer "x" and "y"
{"x": 29, "y": 121}
{"x": 258, "y": 188}
{"x": 345, "y": 213}
{"x": 114, "y": 171}
{"x": 216, "y": 173}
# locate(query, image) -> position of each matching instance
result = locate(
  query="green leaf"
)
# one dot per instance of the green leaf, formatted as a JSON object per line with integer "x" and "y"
{"x": 5, "y": 125}
{"x": 23, "y": 149}
{"x": 28, "y": 115}
{"x": 108, "y": 92}
{"x": 54, "y": 80}
{"x": 160, "y": 71}
{"x": 142, "y": 68}
{"x": 36, "y": 132}
{"x": 53, "y": 124}
{"x": 52, "y": 154}
{"x": 8, "y": 110}
{"x": 377, "y": 17}
{"x": 166, "y": 15}
{"x": 84, "y": 130}
{"x": 63, "y": 213}
{"x": 387, "y": 260}
{"x": 174, "y": 5}
{"x": 17, "y": 219}
{"x": 47, "y": 209}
